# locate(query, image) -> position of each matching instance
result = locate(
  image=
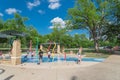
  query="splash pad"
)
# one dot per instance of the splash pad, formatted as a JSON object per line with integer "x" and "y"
{"x": 45, "y": 59}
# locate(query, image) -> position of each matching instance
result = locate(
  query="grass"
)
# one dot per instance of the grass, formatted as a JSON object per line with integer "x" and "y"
{"x": 89, "y": 52}
{"x": 97, "y": 55}
{"x": 92, "y": 53}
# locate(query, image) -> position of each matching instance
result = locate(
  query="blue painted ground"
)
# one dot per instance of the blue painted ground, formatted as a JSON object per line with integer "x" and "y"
{"x": 45, "y": 59}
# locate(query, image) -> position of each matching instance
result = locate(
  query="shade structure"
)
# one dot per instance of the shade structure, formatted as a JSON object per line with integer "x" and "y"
{"x": 5, "y": 35}
{"x": 13, "y": 33}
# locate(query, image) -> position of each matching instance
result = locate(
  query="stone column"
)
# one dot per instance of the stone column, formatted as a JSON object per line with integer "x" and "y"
{"x": 58, "y": 48}
{"x": 16, "y": 53}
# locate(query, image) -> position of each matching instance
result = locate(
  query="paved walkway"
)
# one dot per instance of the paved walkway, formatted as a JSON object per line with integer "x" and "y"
{"x": 107, "y": 70}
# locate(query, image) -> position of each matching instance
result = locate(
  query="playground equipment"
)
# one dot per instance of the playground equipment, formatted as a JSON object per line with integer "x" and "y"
{"x": 53, "y": 51}
{"x": 37, "y": 52}
{"x": 49, "y": 46}
{"x": 37, "y": 43}
{"x": 30, "y": 47}
{"x": 16, "y": 48}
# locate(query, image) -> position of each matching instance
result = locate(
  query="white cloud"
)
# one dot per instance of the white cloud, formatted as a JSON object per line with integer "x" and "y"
{"x": 59, "y": 21}
{"x": 54, "y": 4}
{"x": 1, "y": 14}
{"x": 41, "y": 11}
{"x": 51, "y": 27}
{"x": 30, "y": 5}
{"x": 53, "y": 0}
{"x": 12, "y": 10}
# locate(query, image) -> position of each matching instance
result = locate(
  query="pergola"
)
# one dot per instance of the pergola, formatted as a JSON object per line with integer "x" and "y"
{"x": 9, "y": 34}
{"x": 6, "y": 33}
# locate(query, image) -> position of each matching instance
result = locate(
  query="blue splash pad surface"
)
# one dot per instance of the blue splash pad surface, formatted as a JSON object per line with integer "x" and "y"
{"x": 55, "y": 59}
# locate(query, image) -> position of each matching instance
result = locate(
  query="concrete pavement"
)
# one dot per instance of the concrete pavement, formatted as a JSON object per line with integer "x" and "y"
{"x": 107, "y": 70}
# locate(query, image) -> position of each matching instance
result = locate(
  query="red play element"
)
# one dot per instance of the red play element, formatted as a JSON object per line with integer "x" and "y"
{"x": 64, "y": 56}
{"x": 49, "y": 46}
{"x": 30, "y": 47}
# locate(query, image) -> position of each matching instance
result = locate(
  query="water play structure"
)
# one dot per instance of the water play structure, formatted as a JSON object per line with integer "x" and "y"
{"x": 15, "y": 55}
{"x": 54, "y": 44}
{"x": 15, "y": 51}
{"x": 60, "y": 59}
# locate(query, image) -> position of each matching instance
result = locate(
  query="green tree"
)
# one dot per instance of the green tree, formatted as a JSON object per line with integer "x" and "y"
{"x": 2, "y": 40}
{"x": 58, "y": 31}
{"x": 57, "y": 34}
{"x": 16, "y": 23}
{"x": 32, "y": 35}
{"x": 67, "y": 41}
{"x": 82, "y": 40}
{"x": 90, "y": 15}
{"x": 112, "y": 29}
{"x": 1, "y": 24}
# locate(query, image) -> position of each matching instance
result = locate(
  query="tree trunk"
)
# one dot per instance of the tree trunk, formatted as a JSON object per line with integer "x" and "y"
{"x": 96, "y": 43}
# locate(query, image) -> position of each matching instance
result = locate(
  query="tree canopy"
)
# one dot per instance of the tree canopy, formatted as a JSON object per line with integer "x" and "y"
{"x": 100, "y": 17}
{"x": 92, "y": 15}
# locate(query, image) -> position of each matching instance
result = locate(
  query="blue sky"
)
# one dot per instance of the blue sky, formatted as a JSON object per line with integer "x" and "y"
{"x": 41, "y": 13}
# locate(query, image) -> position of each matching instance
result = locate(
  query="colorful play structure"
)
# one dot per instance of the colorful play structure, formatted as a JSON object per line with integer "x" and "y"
{"x": 15, "y": 57}
{"x": 52, "y": 50}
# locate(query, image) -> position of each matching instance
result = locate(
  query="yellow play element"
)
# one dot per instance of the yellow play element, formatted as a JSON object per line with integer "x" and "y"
{"x": 53, "y": 50}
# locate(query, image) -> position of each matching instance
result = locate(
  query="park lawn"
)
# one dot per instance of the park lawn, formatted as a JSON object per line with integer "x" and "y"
{"x": 97, "y": 55}
{"x": 92, "y": 53}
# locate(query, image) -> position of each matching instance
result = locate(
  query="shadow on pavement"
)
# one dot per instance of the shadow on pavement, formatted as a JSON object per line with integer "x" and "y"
{"x": 2, "y": 71}
{"x": 74, "y": 78}
{"x": 9, "y": 77}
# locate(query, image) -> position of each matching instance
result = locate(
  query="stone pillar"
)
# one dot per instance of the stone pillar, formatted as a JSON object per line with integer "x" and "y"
{"x": 16, "y": 53}
{"x": 58, "y": 48}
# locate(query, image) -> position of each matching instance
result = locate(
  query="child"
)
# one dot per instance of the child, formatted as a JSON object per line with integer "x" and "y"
{"x": 32, "y": 54}
{"x": 49, "y": 54}
{"x": 1, "y": 55}
{"x": 40, "y": 56}
{"x": 79, "y": 55}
